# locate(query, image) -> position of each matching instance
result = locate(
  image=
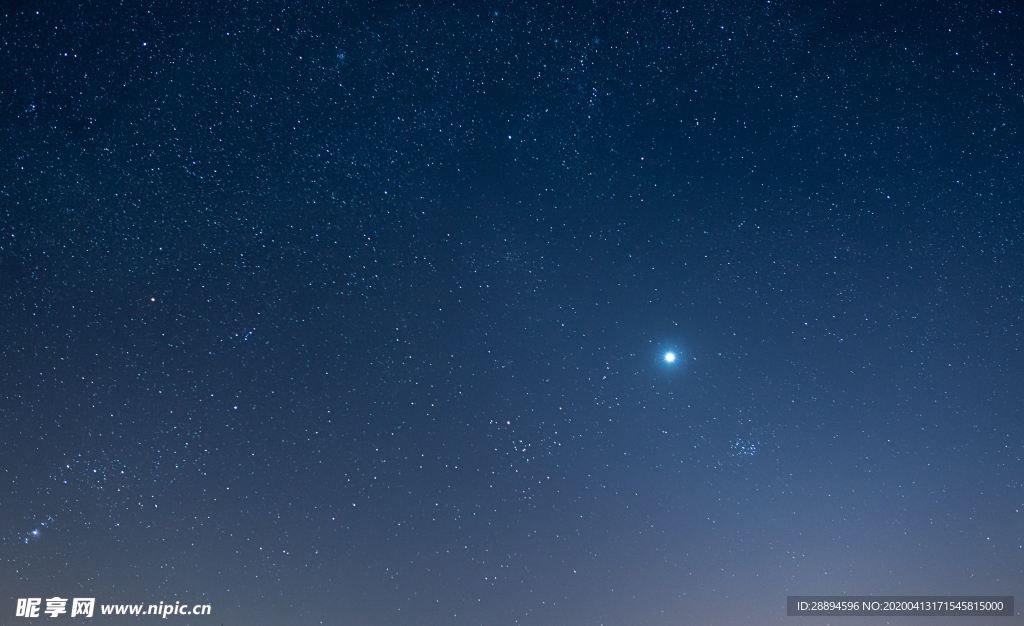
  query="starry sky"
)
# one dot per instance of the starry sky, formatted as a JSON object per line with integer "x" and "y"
{"x": 358, "y": 313}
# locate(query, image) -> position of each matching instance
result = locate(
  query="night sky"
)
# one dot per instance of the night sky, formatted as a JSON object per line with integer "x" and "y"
{"x": 361, "y": 314}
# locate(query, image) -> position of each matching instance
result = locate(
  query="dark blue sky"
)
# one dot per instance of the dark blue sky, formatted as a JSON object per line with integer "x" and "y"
{"x": 357, "y": 313}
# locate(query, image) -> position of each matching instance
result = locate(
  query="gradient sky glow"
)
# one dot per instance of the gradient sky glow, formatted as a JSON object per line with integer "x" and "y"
{"x": 509, "y": 313}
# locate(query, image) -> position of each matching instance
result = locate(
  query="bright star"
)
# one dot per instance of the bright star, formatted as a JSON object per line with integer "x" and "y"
{"x": 670, "y": 357}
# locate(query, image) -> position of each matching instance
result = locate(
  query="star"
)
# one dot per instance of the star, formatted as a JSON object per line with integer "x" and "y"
{"x": 670, "y": 357}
